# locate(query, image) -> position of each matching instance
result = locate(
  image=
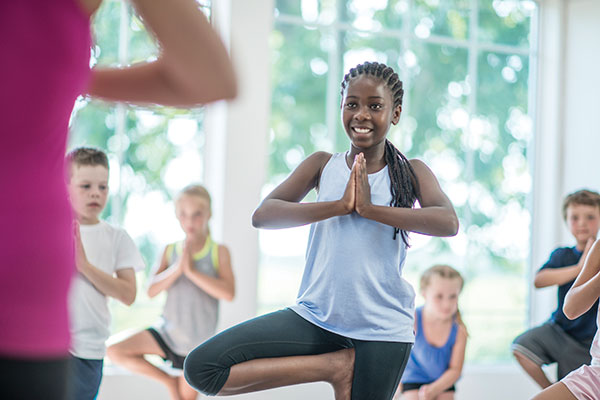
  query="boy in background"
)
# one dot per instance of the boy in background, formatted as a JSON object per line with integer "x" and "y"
{"x": 561, "y": 340}
{"x": 106, "y": 260}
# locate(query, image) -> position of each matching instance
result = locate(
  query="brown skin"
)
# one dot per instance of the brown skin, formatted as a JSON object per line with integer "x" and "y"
{"x": 368, "y": 112}
{"x": 367, "y": 104}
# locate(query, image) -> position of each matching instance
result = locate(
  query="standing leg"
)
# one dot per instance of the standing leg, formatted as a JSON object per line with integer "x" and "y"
{"x": 378, "y": 367}
{"x": 274, "y": 350}
{"x": 186, "y": 392}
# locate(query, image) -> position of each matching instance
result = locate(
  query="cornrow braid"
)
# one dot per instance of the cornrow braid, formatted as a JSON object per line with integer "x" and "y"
{"x": 381, "y": 71}
{"x": 404, "y": 184}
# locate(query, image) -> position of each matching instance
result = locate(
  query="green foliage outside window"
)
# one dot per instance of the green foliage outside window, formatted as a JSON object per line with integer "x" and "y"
{"x": 466, "y": 71}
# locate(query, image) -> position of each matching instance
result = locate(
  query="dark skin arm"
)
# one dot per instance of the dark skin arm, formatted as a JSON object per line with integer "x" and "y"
{"x": 281, "y": 208}
{"x": 436, "y": 217}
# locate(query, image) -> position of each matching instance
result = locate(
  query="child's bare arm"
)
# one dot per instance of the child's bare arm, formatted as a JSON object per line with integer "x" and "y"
{"x": 451, "y": 375}
{"x": 282, "y": 207}
{"x": 221, "y": 287}
{"x": 164, "y": 276}
{"x": 559, "y": 276}
{"x": 436, "y": 216}
{"x": 586, "y": 288}
{"x": 192, "y": 68}
{"x": 122, "y": 287}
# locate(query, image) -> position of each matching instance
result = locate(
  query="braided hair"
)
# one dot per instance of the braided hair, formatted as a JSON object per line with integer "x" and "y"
{"x": 404, "y": 184}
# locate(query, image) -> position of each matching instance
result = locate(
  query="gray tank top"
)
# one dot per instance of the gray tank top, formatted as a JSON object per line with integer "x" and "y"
{"x": 190, "y": 314}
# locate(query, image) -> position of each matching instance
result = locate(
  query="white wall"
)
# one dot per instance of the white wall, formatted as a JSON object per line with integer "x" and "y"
{"x": 565, "y": 158}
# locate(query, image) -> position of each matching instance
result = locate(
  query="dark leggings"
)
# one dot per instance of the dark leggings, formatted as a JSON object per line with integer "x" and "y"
{"x": 23, "y": 379}
{"x": 378, "y": 366}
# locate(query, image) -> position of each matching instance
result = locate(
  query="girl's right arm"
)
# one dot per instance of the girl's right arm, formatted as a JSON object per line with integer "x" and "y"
{"x": 164, "y": 276}
{"x": 282, "y": 207}
{"x": 192, "y": 68}
{"x": 586, "y": 288}
{"x": 451, "y": 375}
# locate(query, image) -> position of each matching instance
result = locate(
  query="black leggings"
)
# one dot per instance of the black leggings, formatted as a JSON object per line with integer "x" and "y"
{"x": 378, "y": 366}
{"x": 24, "y": 379}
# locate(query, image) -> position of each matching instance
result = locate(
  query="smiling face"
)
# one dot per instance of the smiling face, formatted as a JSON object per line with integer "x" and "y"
{"x": 368, "y": 111}
{"x": 441, "y": 296}
{"x": 193, "y": 213}
{"x": 88, "y": 192}
{"x": 583, "y": 221}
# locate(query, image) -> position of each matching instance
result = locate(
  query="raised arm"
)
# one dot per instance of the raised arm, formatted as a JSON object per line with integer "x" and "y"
{"x": 586, "y": 288}
{"x": 436, "y": 217}
{"x": 192, "y": 68}
{"x": 282, "y": 207}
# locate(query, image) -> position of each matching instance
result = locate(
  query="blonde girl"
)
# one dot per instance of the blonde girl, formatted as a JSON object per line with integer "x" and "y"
{"x": 437, "y": 357}
{"x": 196, "y": 273}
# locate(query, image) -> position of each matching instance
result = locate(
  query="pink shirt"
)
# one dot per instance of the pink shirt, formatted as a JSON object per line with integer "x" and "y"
{"x": 45, "y": 65}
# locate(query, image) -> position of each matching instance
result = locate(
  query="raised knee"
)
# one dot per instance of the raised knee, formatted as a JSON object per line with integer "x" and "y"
{"x": 203, "y": 372}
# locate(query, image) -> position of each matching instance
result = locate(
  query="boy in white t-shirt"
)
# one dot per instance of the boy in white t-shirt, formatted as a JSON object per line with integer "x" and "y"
{"x": 106, "y": 260}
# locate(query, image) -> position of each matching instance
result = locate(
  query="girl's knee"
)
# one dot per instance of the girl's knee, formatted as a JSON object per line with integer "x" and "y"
{"x": 203, "y": 371}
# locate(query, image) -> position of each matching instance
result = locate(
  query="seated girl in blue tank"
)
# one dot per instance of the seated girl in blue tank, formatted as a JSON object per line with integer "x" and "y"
{"x": 436, "y": 360}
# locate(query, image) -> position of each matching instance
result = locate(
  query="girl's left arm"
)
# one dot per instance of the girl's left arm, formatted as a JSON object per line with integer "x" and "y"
{"x": 222, "y": 286}
{"x": 436, "y": 217}
{"x": 457, "y": 359}
{"x": 586, "y": 288}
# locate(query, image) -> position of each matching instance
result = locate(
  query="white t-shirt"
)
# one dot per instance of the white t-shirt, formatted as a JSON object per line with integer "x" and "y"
{"x": 109, "y": 249}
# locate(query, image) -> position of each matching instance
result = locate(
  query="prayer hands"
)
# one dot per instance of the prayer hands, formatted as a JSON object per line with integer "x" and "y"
{"x": 357, "y": 196}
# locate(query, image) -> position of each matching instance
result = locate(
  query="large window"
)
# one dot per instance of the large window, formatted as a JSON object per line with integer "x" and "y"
{"x": 153, "y": 153}
{"x": 467, "y": 113}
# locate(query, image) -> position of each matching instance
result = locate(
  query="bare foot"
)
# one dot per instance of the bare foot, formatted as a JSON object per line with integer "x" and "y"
{"x": 343, "y": 367}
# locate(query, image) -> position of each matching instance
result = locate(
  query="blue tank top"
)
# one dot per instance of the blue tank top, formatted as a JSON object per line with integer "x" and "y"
{"x": 427, "y": 362}
{"x": 352, "y": 283}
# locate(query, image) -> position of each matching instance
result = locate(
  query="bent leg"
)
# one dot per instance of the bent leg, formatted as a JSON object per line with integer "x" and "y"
{"x": 273, "y": 350}
{"x": 410, "y": 395}
{"x": 558, "y": 391}
{"x": 129, "y": 353}
{"x": 534, "y": 370}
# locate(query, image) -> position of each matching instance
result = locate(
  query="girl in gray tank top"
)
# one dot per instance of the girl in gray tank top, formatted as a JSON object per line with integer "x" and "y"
{"x": 352, "y": 322}
{"x": 195, "y": 273}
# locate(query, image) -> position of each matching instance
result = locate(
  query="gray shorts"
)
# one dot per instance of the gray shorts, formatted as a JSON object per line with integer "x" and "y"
{"x": 549, "y": 343}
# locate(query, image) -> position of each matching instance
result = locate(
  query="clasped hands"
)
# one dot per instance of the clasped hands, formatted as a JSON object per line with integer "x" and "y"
{"x": 357, "y": 196}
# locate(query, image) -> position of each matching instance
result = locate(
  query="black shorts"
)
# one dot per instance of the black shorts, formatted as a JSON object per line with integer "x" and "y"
{"x": 416, "y": 386}
{"x": 176, "y": 359}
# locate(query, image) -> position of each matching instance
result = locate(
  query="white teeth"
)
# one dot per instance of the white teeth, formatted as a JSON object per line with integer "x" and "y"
{"x": 361, "y": 130}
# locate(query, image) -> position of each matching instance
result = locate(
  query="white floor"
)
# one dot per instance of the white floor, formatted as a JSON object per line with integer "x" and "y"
{"x": 489, "y": 383}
